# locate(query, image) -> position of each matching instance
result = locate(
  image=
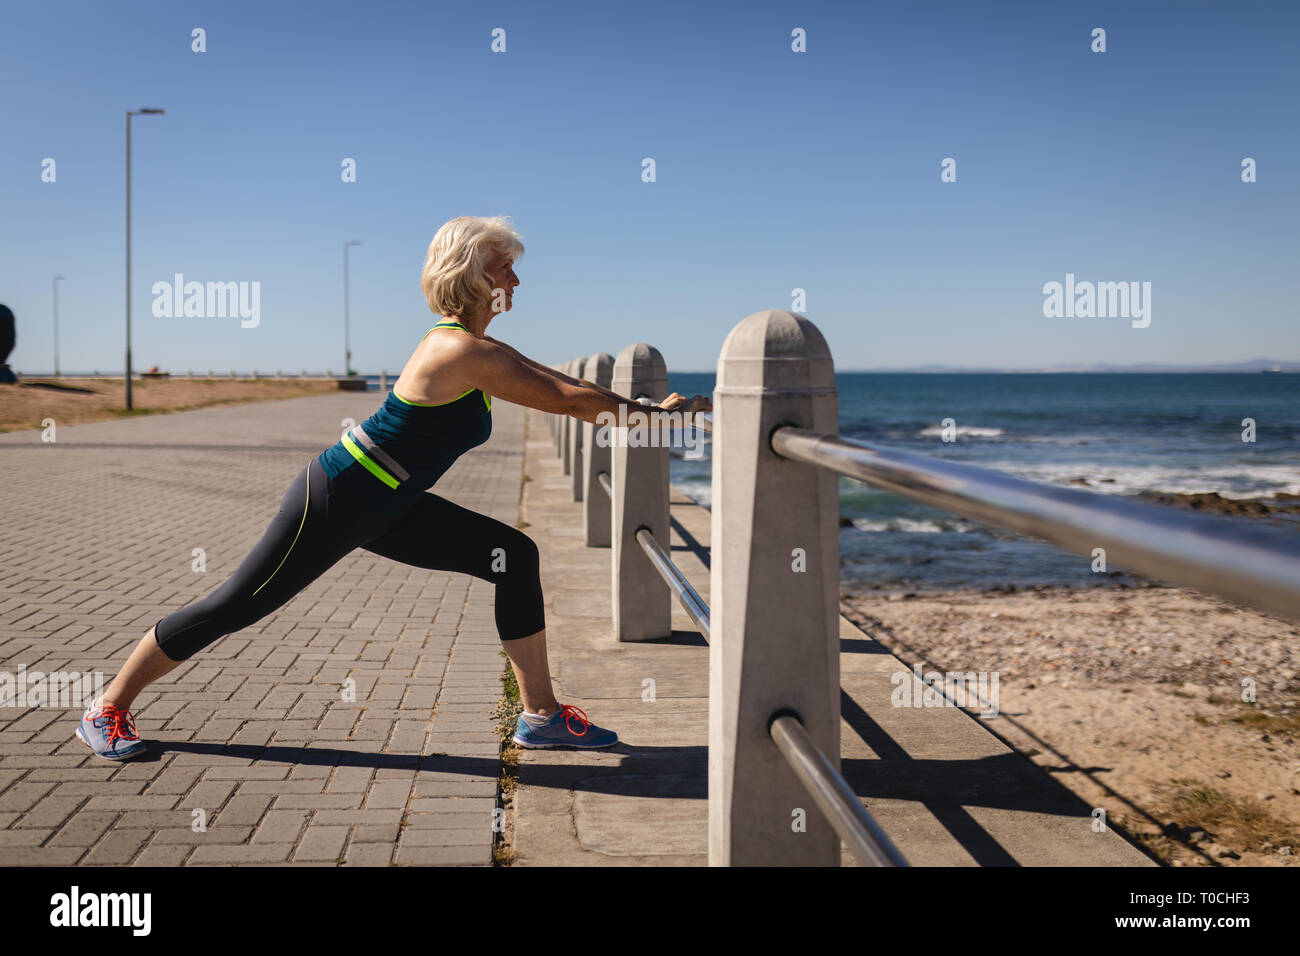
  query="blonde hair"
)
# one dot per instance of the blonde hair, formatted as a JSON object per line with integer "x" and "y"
{"x": 454, "y": 278}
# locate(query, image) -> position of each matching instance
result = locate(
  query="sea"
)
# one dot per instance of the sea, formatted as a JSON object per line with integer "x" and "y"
{"x": 1111, "y": 433}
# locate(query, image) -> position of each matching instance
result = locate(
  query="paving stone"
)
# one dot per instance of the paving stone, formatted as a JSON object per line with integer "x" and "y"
{"x": 321, "y": 843}
{"x": 244, "y": 808}
{"x": 388, "y": 795}
{"x": 281, "y": 826}
{"x": 211, "y": 836}
{"x": 225, "y": 855}
{"x": 386, "y": 833}
{"x": 83, "y": 829}
{"x": 357, "y": 816}
{"x": 157, "y": 854}
{"x": 445, "y": 836}
{"x": 118, "y": 847}
{"x": 369, "y": 854}
{"x": 409, "y": 855}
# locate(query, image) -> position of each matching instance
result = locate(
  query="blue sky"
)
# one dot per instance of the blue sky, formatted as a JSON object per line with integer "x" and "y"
{"x": 775, "y": 170}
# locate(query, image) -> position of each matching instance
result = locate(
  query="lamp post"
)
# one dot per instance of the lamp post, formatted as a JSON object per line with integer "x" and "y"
{"x": 55, "y": 285}
{"x": 347, "y": 341}
{"x": 129, "y": 114}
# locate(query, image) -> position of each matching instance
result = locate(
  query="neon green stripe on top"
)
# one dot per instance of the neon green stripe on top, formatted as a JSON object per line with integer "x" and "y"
{"x": 368, "y": 463}
{"x": 407, "y": 401}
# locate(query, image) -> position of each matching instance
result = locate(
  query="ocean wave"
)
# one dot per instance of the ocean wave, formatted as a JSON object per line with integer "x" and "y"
{"x": 970, "y": 431}
{"x": 910, "y": 525}
{"x": 1229, "y": 481}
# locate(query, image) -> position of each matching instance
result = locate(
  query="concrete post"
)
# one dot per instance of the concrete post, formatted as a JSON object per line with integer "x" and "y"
{"x": 546, "y": 416}
{"x": 552, "y": 421}
{"x": 774, "y": 583}
{"x": 559, "y": 419}
{"x": 573, "y": 450}
{"x": 596, "y": 506}
{"x": 642, "y": 602}
{"x": 572, "y": 369}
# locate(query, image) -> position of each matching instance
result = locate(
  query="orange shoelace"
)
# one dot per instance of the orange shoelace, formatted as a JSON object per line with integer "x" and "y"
{"x": 573, "y": 713}
{"x": 121, "y": 725}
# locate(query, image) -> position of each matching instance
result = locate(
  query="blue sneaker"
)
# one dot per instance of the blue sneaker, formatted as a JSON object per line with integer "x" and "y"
{"x": 110, "y": 732}
{"x": 568, "y": 727}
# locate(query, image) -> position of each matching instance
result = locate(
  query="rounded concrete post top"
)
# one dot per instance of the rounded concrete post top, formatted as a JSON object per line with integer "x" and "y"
{"x": 599, "y": 368}
{"x": 775, "y": 349}
{"x": 641, "y": 367}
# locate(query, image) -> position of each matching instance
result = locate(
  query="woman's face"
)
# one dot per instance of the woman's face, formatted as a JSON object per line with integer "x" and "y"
{"x": 501, "y": 274}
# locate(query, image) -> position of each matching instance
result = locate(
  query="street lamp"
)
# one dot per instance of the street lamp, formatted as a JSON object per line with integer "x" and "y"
{"x": 347, "y": 342}
{"x": 55, "y": 285}
{"x": 129, "y": 114}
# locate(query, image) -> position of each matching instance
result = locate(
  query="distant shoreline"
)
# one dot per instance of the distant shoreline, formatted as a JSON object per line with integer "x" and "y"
{"x": 1289, "y": 368}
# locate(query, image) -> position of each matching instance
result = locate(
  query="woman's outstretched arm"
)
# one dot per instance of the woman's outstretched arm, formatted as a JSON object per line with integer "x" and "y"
{"x": 501, "y": 371}
{"x": 546, "y": 369}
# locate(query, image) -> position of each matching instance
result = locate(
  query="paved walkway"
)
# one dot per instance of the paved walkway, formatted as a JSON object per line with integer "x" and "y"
{"x": 98, "y": 542}
{"x": 947, "y": 791}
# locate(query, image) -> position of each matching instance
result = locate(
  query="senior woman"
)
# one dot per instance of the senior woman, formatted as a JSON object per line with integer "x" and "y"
{"x": 369, "y": 491}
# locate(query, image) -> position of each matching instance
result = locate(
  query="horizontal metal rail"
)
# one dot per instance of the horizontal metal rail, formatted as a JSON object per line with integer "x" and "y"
{"x": 1255, "y": 566}
{"x": 602, "y": 479}
{"x": 833, "y": 796}
{"x": 687, "y": 596}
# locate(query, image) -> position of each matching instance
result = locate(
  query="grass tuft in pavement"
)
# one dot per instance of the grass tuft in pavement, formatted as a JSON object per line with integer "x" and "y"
{"x": 507, "y": 713}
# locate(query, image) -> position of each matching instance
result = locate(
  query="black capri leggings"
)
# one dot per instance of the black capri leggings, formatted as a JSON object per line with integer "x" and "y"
{"x": 317, "y": 525}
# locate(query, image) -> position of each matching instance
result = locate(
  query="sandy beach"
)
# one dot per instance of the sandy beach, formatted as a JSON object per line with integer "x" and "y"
{"x": 75, "y": 401}
{"x": 1132, "y": 697}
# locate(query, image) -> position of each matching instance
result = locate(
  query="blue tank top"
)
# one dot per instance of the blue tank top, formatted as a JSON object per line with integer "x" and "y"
{"x": 391, "y": 458}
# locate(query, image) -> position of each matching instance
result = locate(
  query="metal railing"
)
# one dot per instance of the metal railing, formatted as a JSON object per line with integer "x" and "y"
{"x": 1251, "y": 565}
{"x": 860, "y": 833}
{"x": 686, "y": 595}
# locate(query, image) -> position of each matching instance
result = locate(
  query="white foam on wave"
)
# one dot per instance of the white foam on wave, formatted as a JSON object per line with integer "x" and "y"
{"x": 970, "y": 431}
{"x": 910, "y": 525}
{"x": 1230, "y": 481}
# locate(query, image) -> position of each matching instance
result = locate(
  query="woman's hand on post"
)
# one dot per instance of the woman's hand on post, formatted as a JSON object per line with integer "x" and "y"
{"x": 676, "y": 402}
